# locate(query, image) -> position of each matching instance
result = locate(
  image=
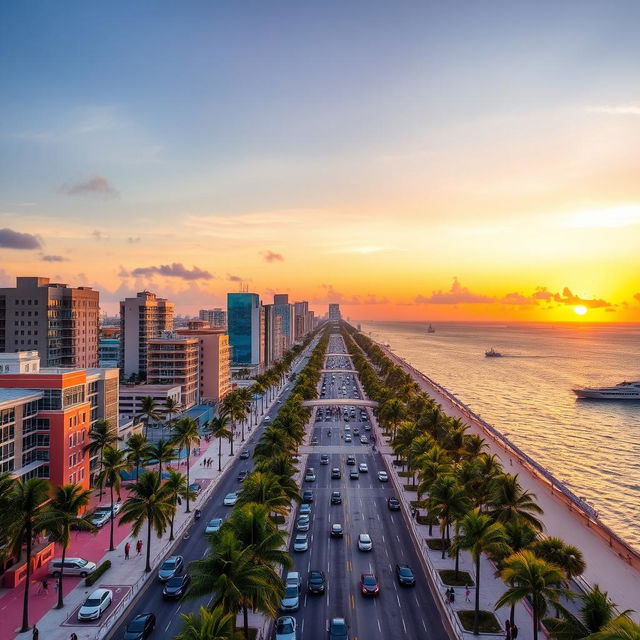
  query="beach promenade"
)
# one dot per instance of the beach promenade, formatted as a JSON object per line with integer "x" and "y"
{"x": 610, "y": 562}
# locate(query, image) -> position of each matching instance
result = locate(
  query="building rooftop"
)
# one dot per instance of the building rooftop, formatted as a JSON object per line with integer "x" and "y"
{"x": 13, "y": 396}
{"x": 150, "y": 388}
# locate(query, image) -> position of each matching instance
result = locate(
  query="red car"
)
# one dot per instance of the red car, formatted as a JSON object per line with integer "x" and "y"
{"x": 369, "y": 585}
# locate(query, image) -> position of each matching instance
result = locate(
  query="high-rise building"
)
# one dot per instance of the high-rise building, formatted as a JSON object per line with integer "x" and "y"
{"x": 303, "y": 320}
{"x": 216, "y": 318}
{"x": 334, "y": 312}
{"x": 46, "y": 414}
{"x": 274, "y": 343}
{"x": 141, "y": 319}
{"x": 215, "y": 362}
{"x": 57, "y": 321}
{"x": 245, "y": 319}
{"x": 286, "y": 312}
{"x": 175, "y": 359}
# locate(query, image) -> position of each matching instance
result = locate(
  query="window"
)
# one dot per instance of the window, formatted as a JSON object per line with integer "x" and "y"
{"x": 70, "y": 442}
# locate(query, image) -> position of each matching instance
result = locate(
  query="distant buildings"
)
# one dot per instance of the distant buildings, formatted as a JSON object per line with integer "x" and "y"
{"x": 245, "y": 322}
{"x": 274, "y": 342}
{"x": 141, "y": 319}
{"x": 109, "y": 352}
{"x": 334, "y": 313}
{"x": 285, "y": 310}
{"x": 304, "y": 320}
{"x": 216, "y": 318}
{"x": 132, "y": 395}
{"x": 57, "y": 321}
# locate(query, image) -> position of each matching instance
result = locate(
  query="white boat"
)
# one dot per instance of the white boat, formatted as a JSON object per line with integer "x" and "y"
{"x": 621, "y": 391}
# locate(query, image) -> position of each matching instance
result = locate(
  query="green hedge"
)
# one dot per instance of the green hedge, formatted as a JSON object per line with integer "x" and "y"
{"x": 95, "y": 576}
{"x": 487, "y": 622}
{"x": 448, "y": 577}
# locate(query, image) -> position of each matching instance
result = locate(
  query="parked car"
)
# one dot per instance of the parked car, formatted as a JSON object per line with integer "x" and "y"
{"x": 285, "y": 628}
{"x": 72, "y": 567}
{"x": 100, "y": 518}
{"x": 364, "y": 440}
{"x": 172, "y": 566}
{"x": 301, "y": 542}
{"x": 338, "y": 629}
{"x": 195, "y": 488}
{"x": 303, "y": 523}
{"x": 336, "y": 497}
{"x": 214, "y": 525}
{"x": 383, "y": 476}
{"x": 393, "y": 504}
{"x": 305, "y": 509}
{"x": 364, "y": 542}
{"x": 336, "y": 530}
{"x": 176, "y": 587}
{"x": 310, "y": 475}
{"x": 316, "y": 582}
{"x": 95, "y": 604}
{"x": 369, "y": 584}
{"x": 140, "y": 627}
{"x": 405, "y": 575}
{"x": 291, "y": 598}
{"x": 230, "y": 499}
{"x": 307, "y": 496}
{"x": 347, "y": 437}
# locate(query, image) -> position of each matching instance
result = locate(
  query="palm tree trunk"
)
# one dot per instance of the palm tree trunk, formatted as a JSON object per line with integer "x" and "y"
{"x": 60, "y": 595}
{"x": 101, "y": 462}
{"x": 512, "y": 615}
{"x": 111, "y": 547}
{"x": 242, "y": 428}
{"x": 476, "y": 614}
{"x": 147, "y": 568}
{"x": 219, "y": 454}
{"x": 188, "y": 460}
{"x": 137, "y": 469}
{"x": 245, "y": 619}
{"x": 173, "y": 514}
{"x": 443, "y": 540}
{"x": 231, "y": 439}
{"x": 25, "y": 605}
{"x": 535, "y": 622}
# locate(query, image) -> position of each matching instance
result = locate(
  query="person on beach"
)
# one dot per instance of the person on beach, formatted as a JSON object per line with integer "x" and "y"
{"x": 127, "y": 548}
{"x": 139, "y": 547}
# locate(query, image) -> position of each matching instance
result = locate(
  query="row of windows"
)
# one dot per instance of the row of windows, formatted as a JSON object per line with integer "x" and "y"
{"x": 76, "y": 438}
{"x": 35, "y": 424}
{"x": 76, "y": 476}
{"x": 7, "y": 416}
{"x": 35, "y": 455}
{"x": 35, "y": 323}
{"x": 73, "y": 395}
{"x": 73, "y": 420}
{"x": 7, "y": 433}
{"x": 35, "y": 440}
{"x": 7, "y": 451}
{"x": 27, "y": 342}
{"x": 8, "y": 465}
{"x": 75, "y": 459}
{"x": 40, "y": 472}
{"x": 22, "y": 313}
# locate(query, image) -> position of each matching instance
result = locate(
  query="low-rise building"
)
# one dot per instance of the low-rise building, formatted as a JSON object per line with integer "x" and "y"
{"x": 131, "y": 396}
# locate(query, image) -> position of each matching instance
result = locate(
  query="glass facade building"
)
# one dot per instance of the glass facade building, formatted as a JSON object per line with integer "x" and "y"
{"x": 244, "y": 328}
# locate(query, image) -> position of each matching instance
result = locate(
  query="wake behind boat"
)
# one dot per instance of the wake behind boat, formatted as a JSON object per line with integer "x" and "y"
{"x": 621, "y": 391}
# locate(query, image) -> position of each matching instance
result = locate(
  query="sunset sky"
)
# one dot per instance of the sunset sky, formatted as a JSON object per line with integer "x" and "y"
{"x": 410, "y": 160}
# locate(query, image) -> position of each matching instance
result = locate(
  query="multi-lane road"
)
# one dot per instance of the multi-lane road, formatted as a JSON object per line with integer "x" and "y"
{"x": 397, "y": 612}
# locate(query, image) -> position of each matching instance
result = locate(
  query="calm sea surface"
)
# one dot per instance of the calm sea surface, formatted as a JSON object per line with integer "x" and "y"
{"x": 594, "y": 447}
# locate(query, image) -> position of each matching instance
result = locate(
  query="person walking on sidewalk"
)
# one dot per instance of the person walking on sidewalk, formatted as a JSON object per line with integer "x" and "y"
{"x": 514, "y": 631}
{"x": 73, "y": 636}
{"x": 35, "y": 633}
{"x": 507, "y": 630}
{"x": 467, "y": 593}
{"x": 127, "y": 548}
{"x": 139, "y": 547}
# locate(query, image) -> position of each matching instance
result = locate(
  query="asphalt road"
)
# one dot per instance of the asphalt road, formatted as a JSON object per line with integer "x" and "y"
{"x": 397, "y": 612}
{"x": 168, "y": 621}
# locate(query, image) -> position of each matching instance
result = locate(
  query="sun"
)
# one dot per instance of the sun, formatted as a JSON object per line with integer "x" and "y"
{"x": 580, "y": 309}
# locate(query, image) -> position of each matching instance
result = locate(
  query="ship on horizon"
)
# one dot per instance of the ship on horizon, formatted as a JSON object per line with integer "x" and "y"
{"x": 621, "y": 391}
{"x": 430, "y": 329}
{"x": 492, "y": 353}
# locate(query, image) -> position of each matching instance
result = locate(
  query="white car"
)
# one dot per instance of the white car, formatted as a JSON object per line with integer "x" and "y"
{"x": 214, "y": 525}
{"x": 285, "y": 628}
{"x": 303, "y": 524}
{"x": 383, "y": 476}
{"x": 364, "y": 440}
{"x": 230, "y": 499}
{"x": 363, "y": 467}
{"x": 267, "y": 419}
{"x": 301, "y": 542}
{"x": 305, "y": 509}
{"x": 364, "y": 542}
{"x": 94, "y": 606}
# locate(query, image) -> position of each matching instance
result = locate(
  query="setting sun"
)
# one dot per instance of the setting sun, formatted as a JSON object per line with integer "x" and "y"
{"x": 580, "y": 309}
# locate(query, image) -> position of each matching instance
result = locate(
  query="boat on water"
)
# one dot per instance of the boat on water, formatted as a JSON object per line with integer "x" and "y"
{"x": 492, "y": 353}
{"x": 430, "y": 329}
{"x": 621, "y": 391}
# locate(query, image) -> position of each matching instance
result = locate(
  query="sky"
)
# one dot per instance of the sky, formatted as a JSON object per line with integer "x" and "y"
{"x": 410, "y": 160}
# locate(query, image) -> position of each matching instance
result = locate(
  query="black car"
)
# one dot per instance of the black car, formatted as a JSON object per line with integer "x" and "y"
{"x": 242, "y": 475}
{"x": 351, "y": 460}
{"x": 335, "y": 473}
{"x": 176, "y": 587}
{"x": 393, "y": 504}
{"x": 336, "y": 497}
{"x": 307, "y": 496}
{"x": 405, "y": 575}
{"x": 324, "y": 459}
{"x": 244, "y": 455}
{"x": 316, "y": 582}
{"x": 140, "y": 627}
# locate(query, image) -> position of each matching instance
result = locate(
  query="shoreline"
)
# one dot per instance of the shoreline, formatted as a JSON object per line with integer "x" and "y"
{"x": 611, "y": 562}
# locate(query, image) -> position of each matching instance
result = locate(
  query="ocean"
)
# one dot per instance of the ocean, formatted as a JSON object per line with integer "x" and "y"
{"x": 594, "y": 447}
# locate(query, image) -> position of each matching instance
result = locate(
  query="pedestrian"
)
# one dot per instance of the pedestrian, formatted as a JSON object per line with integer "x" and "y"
{"x": 139, "y": 547}
{"x": 514, "y": 631}
{"x": 73, "y": 636}
{"x": 35, "y": 633}
{"x": 507, "y": 630}
{"x": 467, "y": 593}
{"x": 127, "y": 548}
{"x": 452, "y": 596}
{"x": 179, "y": 501}
{"x": 45, "y": 585}
{"x": 447, "y": 595}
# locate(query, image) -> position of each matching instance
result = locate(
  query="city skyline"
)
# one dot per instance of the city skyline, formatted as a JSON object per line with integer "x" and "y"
{"x": 480, "y": 162}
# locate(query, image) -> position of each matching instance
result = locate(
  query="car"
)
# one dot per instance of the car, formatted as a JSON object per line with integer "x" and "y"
{"x": 293, "y": 578}
{"x": 72, "y": 567}
{"x": 383, "y": 476}
{"x": 393, "y": 504}
{"x": 316, "y": 582}
{"x": 214, "y": 525}
{"x": 369, "y": 585}
{"x": 230, "y": 499}
{"x": 176, "y": 587}
{"x": 291, "y": 598}
{"x": 285, "y": 628}
{"x": 107, "y": 507}
{"x": 305, "y": 509}
{"x": 303, "y": 523}
{"x": 140, "y": 627}
{"x": 356, "y": 431}
{"x": 95, "y": 604}
{"x": 314, "y": 442}
{"x": 310, "y": 475}
{"x": 347, "y": 438}
{"x": 364, "y": 542}
{"x": 363, "y": 467}
{"x": 336, "y": 530}
{"x": 336, "y": 497}
{"x": 301, "y": 542}
{"x": 324, "y": 459}
{"x": 405, "y": 575}
{"x": 354, "y": 474}
{"x": 367, "y": 427}
{"x": 307, "y": 496}
{"x": 195, "y": 488}
{"x": 338, "y": 629}
{"x": 244, "y": 454}
{"x": 172, "y": 566}
{"x": 243, "y": 475}
{"x": 335, "y": 473}
{"x": 351, "y": 460}
{"x": 100, "y": 518}
{"x": 364, "y": 440}
{"x": 267, "y": 419}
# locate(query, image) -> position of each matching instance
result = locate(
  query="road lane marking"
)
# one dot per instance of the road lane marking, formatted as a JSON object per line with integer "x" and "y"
{"x": 353, "y": 601}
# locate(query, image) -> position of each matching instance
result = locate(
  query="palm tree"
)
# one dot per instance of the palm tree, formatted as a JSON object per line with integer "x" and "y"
{"x": 101, "y": 435}
{"x": 207, "y": 625}
{"x": 391, "y": 413}
{"x": 479, "y": 534}
{"x": 162, "y": 451}
{"x": 185, "y": 434}
{"x": 217, "y": 427}
{"x": 7, "y": 480}
{"x": 245, "y": 400}
{"x": 273, "y": 442}
{"x": 148, "y": 411}
{"x": 176, "y": 487}
{"x": 274, "y": 492}
{"x": 149, "y": 502}
{"x": 237, "y": 582}
{"x": 138, "y": 450}
{"x": 60, "y": 515}
{"x": 509, "y": 502}
{"x": 171, "y": 406}
{"x": 114, "y": 463}
{"x": 280, "y": 465}
{"x": 26, "y": 505}
{"x": 620, "y": 628}
{"x": 566, "y": 556}
{"x": 532, "y": 578}
{"x": 235, "y": 407}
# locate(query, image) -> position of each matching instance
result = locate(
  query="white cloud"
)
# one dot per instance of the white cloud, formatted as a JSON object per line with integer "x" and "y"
{"x": 616, "y": 110}
{"x": 614, "y": 217}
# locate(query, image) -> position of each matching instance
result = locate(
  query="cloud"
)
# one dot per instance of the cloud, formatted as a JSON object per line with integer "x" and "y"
{"x": 49, "y": 258}
{"x": 517, "y": 299}
{"x": 611, "y": 218}
{"x": 98, "y": 235}
{"x": 10, "y": 239}
{"x": 456, "y": 295}
{"x": 616, "y": 109}
{"x": 97, "y": 185}
{"x": 568, "y": 298}
{"x": 331, "y": 295}
{"x": 133, "y": 240}
{"x": 233, "y": 278}
{"x": 270, "y": 256}
{"x": 637, "y": 296}
{"x": 541, "y": 293}
{"x": 175, "y": 270}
